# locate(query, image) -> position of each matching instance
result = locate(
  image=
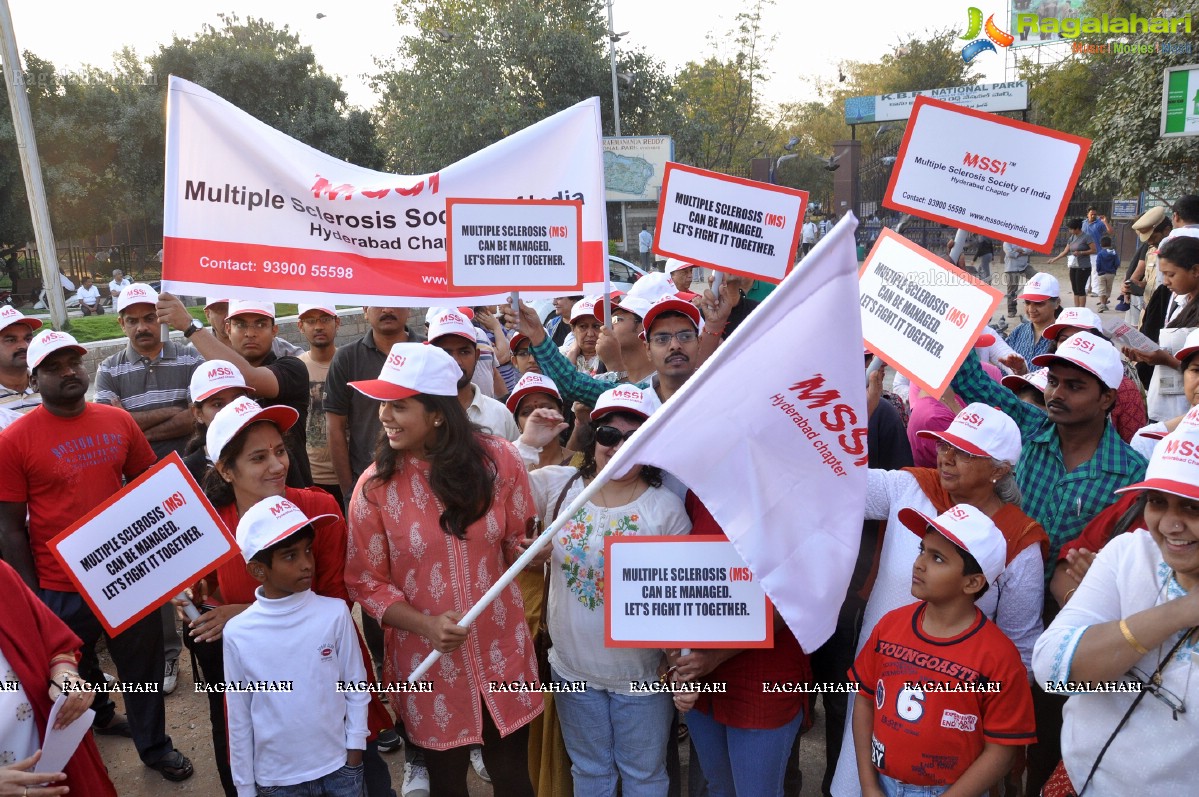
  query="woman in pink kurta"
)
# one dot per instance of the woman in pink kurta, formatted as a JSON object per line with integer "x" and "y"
{"x": 434, "y": 522}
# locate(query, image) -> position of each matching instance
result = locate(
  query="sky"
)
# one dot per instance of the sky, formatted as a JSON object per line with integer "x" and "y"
{"x": 812, "y": 37}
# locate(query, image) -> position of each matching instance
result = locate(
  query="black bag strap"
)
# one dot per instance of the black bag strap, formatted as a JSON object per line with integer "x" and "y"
{"x": 1136, "y": 701}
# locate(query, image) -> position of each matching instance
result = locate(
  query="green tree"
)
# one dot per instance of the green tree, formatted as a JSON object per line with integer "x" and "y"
{"x": 475, "y": 71}
{"x": 723, "y": 121}
{"x": 1128, "y": 153}
{"x": 101, "y": 135}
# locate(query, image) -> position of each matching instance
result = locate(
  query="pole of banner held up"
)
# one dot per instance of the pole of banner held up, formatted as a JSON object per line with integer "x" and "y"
{"x": 31, "y": 168}
{"x": 520, "y": 564}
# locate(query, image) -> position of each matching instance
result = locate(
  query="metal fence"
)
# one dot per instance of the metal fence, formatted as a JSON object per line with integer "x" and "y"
{"x": 139, "y": 262}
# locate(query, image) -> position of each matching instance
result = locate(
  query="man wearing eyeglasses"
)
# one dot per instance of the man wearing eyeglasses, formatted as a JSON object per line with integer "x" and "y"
{"x": 672, "y": 338}
{"x": 620, "y": 348}
{"x": 251, "y": 328}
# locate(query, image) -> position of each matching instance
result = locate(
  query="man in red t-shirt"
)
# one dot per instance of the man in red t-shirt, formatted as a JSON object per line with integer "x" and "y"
{"x": 58, "y": 463}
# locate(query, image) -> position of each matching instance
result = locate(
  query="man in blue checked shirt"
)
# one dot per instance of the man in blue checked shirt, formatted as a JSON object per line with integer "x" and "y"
{"x": 1072, "y": 457}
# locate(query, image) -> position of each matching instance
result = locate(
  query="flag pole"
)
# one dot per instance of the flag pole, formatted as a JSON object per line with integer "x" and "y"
{"x": 521, "y": 563}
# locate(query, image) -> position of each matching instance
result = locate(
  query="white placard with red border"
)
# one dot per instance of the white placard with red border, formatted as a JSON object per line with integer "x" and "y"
{"x": 664, "y": 591}
{"x": 920, "y": 313}
{"x": 728, "y": 223}
{"x": 985, "y": 173}
{"x": 514, "y": 245}
{"x": 144, "y": 545}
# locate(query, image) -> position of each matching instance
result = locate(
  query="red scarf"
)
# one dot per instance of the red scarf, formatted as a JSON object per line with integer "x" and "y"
{"x": 31, "y": 635}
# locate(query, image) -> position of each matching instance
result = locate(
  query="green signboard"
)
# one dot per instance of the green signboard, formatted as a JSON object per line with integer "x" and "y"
{"x": 1180, "y": 101}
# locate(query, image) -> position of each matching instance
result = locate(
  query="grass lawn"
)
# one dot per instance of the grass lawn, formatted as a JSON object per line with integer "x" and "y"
{"x": 106, "y": 327}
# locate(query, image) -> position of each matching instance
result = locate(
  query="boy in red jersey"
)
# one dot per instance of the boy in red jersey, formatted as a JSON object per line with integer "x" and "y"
{"x": 943, "y": 699}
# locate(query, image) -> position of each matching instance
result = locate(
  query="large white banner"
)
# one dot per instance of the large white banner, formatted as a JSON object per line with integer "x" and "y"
{"x": 252, "y": 213}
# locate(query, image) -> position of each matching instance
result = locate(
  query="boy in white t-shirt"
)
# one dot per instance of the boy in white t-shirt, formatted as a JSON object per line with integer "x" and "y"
{"x": 291, "y": 728}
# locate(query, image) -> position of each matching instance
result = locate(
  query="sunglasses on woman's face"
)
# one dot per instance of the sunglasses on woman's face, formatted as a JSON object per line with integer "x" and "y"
{"x": 609, "y": 436}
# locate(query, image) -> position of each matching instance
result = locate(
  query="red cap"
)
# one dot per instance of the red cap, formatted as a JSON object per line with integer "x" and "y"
{"x": 669, "y": 304}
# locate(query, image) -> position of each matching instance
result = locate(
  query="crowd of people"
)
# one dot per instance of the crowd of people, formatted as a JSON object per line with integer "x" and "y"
{"x": 1021, "y": 620}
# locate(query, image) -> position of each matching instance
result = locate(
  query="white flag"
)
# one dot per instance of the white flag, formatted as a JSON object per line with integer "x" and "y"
{"x": 771, "y": 435}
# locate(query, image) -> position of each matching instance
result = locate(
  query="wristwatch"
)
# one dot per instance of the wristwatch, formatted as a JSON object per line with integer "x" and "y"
{"x": 195, "y": 326}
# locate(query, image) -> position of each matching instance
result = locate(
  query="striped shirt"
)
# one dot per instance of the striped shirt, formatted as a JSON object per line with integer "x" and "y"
{"x": 129, "y": 380}
{"x": 573, "y": 383}
{"x": 1062, "y": 501}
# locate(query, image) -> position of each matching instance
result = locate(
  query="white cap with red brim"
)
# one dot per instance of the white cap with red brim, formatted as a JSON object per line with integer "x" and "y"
{"x": 983, "y": 431}
{"x": 625, "y": 398}
{"x": 531, "y": 383}
{"x": 328, "y": 309}
{"x": 1080, "y": 317}
{"x": 1038, "y": 379}
{"x": 213, "y": 376}
{"x": 1189, "y": 346}
{"x": 240, "y": 413}
{"x": 247, "y": 307}
{"x": 137, "y": 293}
{"x": 585, "y": 308}
{"x": 967, "y": 528}
{"x": 411, "y": 369}
{"x": 1042, "y": 286}
{"x": 1188, "y": 421}
{"x": 11, "y": 315}
{"x": 1090, "y": 353}
{"x": 451, "y": 322}
{"x": 1174, "y": 466}
{"x": 45, "y": 344}
{"x": 271, "y": 521}
{"x": 674, "y": 264}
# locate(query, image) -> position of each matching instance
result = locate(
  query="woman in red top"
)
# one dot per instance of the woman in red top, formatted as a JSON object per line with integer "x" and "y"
{"x": 35, "y": 646}
{"x": 434, "y": 523}
{"x": 250, "y": 463}
{"x": 744, "y": 735}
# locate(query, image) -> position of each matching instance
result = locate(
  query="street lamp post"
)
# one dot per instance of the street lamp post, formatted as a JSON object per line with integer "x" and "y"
{"x": 612, "y": 59}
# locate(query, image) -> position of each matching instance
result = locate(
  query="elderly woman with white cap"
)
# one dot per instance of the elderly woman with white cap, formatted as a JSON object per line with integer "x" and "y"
{"x": 976, "y": 455}
{"x": 435, "y": 521}
{"x": 1042, "y": 303}
{"x": 611, "y": 733}
{"x": 1134, "y": 620}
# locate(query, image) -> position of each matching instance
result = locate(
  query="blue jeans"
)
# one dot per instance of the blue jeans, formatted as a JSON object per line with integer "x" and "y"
{"x": 344, "y": 782}
{"x": 611, "y": 736}
{"x": 894, "y": 788}
{"x": 742, "y": 762}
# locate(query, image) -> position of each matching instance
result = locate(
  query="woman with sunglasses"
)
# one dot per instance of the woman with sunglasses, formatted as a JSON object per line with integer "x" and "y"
{"x": 975, "y": 458}
{"x": 612, "y": 734}
{"x": 1132, "y": 620}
